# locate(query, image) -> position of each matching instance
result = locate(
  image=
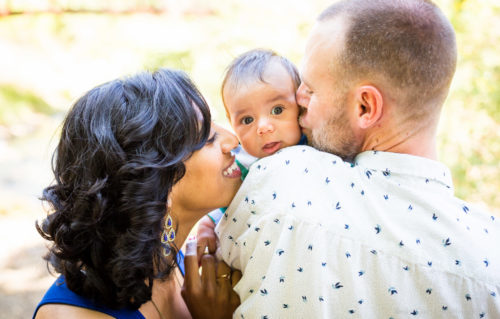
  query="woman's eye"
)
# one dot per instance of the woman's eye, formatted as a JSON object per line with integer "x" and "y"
{"x": 247, "y": 120}
{"x": 277, "y": 110}
{"x": 212, "y": 138}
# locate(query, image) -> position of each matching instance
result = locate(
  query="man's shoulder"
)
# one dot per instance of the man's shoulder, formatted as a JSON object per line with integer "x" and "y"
{"x": 298, "y": 153}
{"x": 297, "y": 164}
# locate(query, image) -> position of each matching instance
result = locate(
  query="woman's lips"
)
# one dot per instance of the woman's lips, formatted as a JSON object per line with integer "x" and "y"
{"x": 272, "y": 147}
{"x": 232, "y": 171}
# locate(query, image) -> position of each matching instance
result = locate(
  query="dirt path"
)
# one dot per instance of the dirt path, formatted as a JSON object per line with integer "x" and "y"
{"x": 24, "y": 172}
{"x": 23, "y": 274}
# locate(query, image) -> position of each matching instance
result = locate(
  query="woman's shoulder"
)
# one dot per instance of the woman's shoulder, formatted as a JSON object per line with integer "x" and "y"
{"x": 60, "y": 302}
{"x": 54, "y": 311}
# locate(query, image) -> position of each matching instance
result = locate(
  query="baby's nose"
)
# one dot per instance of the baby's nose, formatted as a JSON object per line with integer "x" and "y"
{"x": 265, "y": 126}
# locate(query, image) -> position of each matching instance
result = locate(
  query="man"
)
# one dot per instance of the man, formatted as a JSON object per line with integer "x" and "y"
{"x": 369, "y": 227}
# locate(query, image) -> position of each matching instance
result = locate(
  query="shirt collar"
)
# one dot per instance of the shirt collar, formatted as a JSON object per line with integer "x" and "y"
{"x": 407, "y": 165}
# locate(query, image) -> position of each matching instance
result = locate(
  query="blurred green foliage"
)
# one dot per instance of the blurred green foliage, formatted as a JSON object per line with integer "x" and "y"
{"x": 469, "y": 139}
{"x": 17, "y": 103}
{"x": 53, "y": 56}
{"x": 182, "y": 60}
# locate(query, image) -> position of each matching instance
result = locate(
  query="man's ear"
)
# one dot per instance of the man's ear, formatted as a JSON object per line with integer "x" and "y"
{"x": 369, "y": 106}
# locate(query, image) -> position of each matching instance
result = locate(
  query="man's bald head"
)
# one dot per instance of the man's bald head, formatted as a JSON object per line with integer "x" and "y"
{"x": 408, "y": 45}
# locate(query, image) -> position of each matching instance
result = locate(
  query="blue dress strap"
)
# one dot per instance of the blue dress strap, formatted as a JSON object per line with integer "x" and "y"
{"x": 180, "y": 261}
{"x": 59, "y": 293}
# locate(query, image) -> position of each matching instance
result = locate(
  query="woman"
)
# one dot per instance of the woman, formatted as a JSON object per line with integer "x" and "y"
{"x": 137, "y": 165}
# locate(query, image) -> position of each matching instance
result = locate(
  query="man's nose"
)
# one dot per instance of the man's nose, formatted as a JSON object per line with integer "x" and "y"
{"x": 301, "y": 96}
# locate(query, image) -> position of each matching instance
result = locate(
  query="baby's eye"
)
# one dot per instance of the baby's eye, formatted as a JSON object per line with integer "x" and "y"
{"x": 277, "y": 110}
{"x": 247, "y": 120}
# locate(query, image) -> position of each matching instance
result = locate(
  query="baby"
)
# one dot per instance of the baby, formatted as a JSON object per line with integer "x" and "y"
{"x": 258, "y": 93}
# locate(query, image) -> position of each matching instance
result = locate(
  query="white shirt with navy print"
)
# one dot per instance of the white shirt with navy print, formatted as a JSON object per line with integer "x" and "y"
{"x": 316, "y": 237}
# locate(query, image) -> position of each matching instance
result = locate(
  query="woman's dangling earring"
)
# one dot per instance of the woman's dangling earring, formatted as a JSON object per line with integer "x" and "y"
{"x": 168, "y": 234}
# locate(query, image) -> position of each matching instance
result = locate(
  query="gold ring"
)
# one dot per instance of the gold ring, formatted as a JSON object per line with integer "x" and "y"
{"x": 225, "y": 276}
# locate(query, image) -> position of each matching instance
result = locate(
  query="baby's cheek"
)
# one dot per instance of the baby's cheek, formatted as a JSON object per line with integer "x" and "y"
{"x": 293, "y": 125}
{"x": 252, "y": 148}
{"x": 248, "y": 141}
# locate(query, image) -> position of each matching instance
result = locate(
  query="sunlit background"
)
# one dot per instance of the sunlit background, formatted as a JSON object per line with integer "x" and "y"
{"x": 52, "y": 51}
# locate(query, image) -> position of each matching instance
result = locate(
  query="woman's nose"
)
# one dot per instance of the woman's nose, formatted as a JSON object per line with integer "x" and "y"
{"x": 265, "y": 126}
{"x": 228, "y": 141}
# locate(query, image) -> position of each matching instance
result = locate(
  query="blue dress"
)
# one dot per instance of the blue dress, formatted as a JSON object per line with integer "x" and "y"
{"x": 59, "y": 293}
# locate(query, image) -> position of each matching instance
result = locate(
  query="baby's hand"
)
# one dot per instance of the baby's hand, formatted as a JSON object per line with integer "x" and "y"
{"x": 206, "y": 237}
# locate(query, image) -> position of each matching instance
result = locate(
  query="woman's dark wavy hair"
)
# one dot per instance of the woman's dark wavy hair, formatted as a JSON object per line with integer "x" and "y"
{"x": 121, "y": 150}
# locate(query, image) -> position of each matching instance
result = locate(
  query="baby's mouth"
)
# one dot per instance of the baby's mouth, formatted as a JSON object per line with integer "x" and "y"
{"x": 271, "y": 148}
